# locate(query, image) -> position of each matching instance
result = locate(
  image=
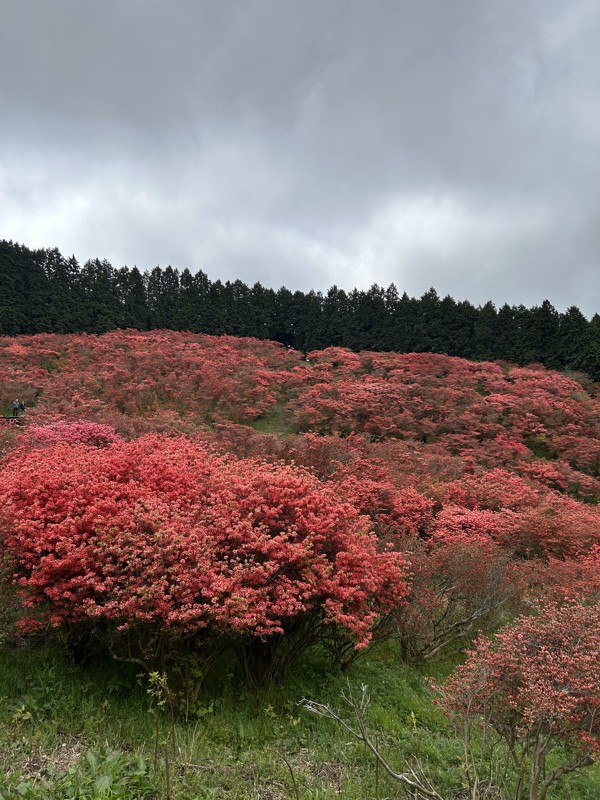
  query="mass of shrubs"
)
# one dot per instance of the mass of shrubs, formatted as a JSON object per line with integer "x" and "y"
{"x": 157, "y": 533}
{"x": 179, "y": 498}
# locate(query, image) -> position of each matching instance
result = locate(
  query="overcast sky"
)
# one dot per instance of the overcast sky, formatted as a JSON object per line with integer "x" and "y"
{"x": 306, "y": 143}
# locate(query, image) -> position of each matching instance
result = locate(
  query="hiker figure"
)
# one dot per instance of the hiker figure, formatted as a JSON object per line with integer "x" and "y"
{"x": 22, "y": 405}
{"x": 16, "y": 407}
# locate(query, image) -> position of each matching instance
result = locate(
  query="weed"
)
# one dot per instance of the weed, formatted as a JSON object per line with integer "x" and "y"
{"x": 233, "y": 745}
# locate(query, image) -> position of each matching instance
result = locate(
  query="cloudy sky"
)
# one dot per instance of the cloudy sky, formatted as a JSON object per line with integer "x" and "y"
{"x": 306, "y": 143}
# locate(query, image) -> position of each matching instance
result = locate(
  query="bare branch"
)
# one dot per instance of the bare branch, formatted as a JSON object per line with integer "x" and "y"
{"x": 414, "y": 777}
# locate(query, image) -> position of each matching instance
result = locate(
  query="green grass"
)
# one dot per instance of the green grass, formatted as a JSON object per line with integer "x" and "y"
{"x": 274, "y": 421}
{"x": 94, "y": 732}
{"x": 539, "y": 447}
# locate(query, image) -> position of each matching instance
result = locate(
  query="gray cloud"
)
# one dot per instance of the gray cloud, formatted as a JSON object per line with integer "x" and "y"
{"x": 432, "y": 143}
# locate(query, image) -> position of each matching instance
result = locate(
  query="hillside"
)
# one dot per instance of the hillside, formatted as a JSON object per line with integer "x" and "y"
{"x": 540, "y": 424}
{"x": 217, "y": 506}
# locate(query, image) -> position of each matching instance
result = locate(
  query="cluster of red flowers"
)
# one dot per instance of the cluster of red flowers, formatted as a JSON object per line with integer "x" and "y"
{"x": 495, "y": 414}
{"x": 536, "y": 684}
{"x": 77, "y": 432}
{"x": 157, "y": 530}
{"x": 127, "y": 377}
{"x": 434, "y": 491}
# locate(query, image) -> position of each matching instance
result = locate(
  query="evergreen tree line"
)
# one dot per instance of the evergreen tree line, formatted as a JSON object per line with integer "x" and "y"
{"x": 43, "y": 292}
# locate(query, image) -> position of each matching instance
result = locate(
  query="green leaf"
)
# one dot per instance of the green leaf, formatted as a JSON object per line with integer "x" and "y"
{"x": 102, "y": 783}
{"x": 92, "y": 759}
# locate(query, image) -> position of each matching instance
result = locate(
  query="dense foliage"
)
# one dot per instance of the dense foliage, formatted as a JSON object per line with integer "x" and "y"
{"x": 536, "y": 684}
{"x": 45, "y": 292}
{"x": 180, "y": 498}
{"x": 438, "y": 452}
{"x": 157, "y": 531}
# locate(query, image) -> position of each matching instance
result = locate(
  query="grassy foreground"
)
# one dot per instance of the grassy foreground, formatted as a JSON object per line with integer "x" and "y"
{"x": 97, "y": 731}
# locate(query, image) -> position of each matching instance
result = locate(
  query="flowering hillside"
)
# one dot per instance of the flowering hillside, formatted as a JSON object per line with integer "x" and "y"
{"x": 455, "y": 482}
{"x": 184, "y": 501}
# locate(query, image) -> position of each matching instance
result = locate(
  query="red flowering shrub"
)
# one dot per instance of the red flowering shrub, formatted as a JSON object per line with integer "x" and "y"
{"x": 395, "y": 513}
{"x": 78, "y": 432}
{"x": 461, "y": 584}
{"x": 525, "y": 521}
{"x": 126, "y": 374}
{"x": 322, "y": 455}
{"x": 492, "y": 490}
{"x": 566, "y": 580}
{"x": 158, "y": 532}
{"x": 536, "y": 685}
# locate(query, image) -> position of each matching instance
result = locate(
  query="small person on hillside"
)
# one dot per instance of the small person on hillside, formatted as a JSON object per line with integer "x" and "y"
{"x": 22, "y": 405}
{"x": 16, "y": 406}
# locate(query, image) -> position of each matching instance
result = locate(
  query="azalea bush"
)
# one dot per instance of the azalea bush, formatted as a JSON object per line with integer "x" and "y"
{"x": 568, "y": 580}
{"x": 157, "y": 537}
{"x": 73, "y": 432}
{"x": 495, "y": 413}
{"x": 125, "y": 375}
{"x": 535, "y": 686}
{"x": 461, "y": 584}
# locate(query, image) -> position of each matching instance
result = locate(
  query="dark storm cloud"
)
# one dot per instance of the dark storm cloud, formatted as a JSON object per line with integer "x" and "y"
{"x": 431, "y": 143}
